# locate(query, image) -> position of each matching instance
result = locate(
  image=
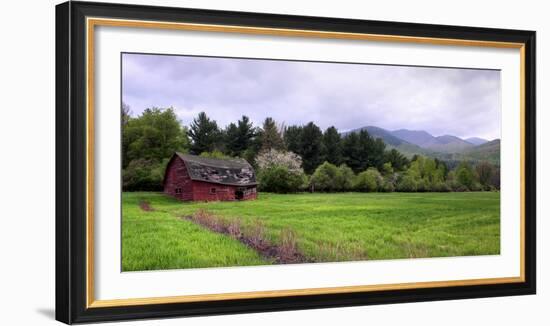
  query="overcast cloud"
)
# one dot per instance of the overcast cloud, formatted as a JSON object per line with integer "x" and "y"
{"x": 460, "y": 102}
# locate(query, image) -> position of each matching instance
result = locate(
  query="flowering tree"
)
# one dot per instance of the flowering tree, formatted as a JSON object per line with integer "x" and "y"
{"x": 280, "y": 171}
{"x": 273, "y": 157}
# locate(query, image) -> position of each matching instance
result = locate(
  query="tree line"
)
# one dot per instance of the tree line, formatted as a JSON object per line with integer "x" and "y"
{"x": 288, "y": 158}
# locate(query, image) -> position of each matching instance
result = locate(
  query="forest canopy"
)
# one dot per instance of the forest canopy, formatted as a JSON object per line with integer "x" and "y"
{"x": 289, "y": 158}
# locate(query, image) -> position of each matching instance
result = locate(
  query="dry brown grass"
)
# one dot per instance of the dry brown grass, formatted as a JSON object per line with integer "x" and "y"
{"x": 254, "y": 236}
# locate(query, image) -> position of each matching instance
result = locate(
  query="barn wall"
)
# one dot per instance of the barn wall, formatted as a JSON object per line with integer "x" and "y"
{"x": 177, "y": 177}
{"x": 202, "y": 191}
{"x": 250, "y": 193}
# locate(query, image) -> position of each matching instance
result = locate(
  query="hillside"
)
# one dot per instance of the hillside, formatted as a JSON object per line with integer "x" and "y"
{"x": 443, "y": 144}
{"x": 406, "y": 148}
{"x": 489, "y": 151}
{"x": 447, "y": 147}
{"x": 448, "y": 144}
{"x": 417, "y": 137}
{"x": 476, "y": 140}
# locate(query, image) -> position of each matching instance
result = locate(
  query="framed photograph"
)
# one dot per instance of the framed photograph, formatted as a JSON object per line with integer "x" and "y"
{"x": 212, "y": 162}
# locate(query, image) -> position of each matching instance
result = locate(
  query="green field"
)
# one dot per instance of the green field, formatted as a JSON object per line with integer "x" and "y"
{"x": 325, "y": 228}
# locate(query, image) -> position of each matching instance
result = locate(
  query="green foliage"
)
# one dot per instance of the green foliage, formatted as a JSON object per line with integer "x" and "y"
{"x": 144, "y": 174}
{"x": 406, "y": 184}
{"x": 280, "y": 172}
{"x": 279, "y": 179}
{"x": 270, "y": 136}
{"x": 215, "y": 154}
{"x": 387, "y": 184}
{"x": 345, "y": 179}
{"x": 332, "y": 146}
{"x": 368, "y": 180}
{"x": 351, "y": 152}
{"x": 154, "y": 135}
{"x": 387, "y": 168}
{"x": 239, "y": 137}
{"x": 376, "y": 150}
{"x": 426, "y": 173}
{"x": 465, "y": 175}
{"x": 327, "y": 228}
{"x": 310, "y": 147}
{"x": 148, "y": 141}
{"x": 204, "y": 133}
{"x": 324, "y": 176}
{"x": 329, "y": 177}
{"x": 293, "y": 138}
{"x": 485, "y": 173}
{"x": 151, "y": 138}
{"x": 361, "y": 151}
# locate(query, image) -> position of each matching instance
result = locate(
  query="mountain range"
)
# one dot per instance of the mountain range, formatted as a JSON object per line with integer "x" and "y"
{"x": 446, "y": 147}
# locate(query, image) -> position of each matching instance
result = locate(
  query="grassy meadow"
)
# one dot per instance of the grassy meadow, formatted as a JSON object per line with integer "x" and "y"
{"x": 324, "y": 227}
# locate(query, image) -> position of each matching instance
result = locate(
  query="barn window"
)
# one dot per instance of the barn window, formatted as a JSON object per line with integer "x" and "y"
{"x": 178, "y": 190}
{"x": 213, "y": 191}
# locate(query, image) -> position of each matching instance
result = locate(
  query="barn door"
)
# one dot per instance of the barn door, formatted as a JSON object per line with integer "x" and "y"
{"x": 239, "y": 194}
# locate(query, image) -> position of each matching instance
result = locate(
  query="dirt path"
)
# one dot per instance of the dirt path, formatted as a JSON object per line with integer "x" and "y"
{"x": 254, "y": 237}
{"x": 145, "y": 206}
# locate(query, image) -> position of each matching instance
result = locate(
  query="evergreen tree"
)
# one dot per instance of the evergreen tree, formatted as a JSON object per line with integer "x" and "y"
{"x": 270, "y": 137}
{"x": 231, "y": 137}
{"x": 351, "y": 152}
{"x": 332, "y": 146}
{"x": 398, "y": 161}
{"x": 239, "y": 136}
{"x": 293, "y": 138}
{"x": 204, "y": 134}
{"x": 376, "y": 150}
{"x": 311, "y": 145}
{"x": 365, "y": 146}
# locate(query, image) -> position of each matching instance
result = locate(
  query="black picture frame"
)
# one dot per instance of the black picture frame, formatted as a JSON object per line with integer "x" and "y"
{"x": 71, "y": 157}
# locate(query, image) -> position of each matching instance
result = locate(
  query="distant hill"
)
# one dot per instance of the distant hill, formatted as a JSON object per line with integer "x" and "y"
{"x": 489, "y": 151}
{"x": 446, "y": 147}
{"x": 406, "y": 148}
{"x": 448, "y": 144}
{"x": 444, "y": 144}
{"x": 476, "y": 140}
{"x": 417, "y": 137}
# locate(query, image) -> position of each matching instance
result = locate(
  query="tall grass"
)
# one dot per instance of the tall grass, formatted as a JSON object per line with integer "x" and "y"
{"x": 322, "y": 227}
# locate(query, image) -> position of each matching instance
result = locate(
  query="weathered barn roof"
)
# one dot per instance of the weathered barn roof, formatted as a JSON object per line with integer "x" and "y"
{"x": 234, "y": 172}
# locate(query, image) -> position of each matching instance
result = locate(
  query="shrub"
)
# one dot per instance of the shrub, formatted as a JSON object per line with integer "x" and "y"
{"x": 368, "y": 180}
{"x": 329, "y": 177}
{"x": 280, "y": 179}
{"x": 465, "y": 175}
{"x": 325, "y": 177}
{"x": 271, "y": 158}
{"x": 406, "y": 184}
{"x": 422, "y": 185}
{"x": 280, "y": 172}
{"x": 215, "y": 154}
{"x": 387, "y": 168}
{"x": 387, "y": 185}
{"x": 476, "y": 186}
{"x": 143, "y": 174}
{"x": 345, "y": 178}
{"x": 441, "y": 187}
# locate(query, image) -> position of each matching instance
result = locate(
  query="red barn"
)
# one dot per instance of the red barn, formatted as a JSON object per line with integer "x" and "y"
{"x": 191, "y": 177}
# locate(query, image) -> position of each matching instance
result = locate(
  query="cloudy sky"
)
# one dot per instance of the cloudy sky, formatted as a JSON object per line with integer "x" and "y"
{"x": 460, "y": 102}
